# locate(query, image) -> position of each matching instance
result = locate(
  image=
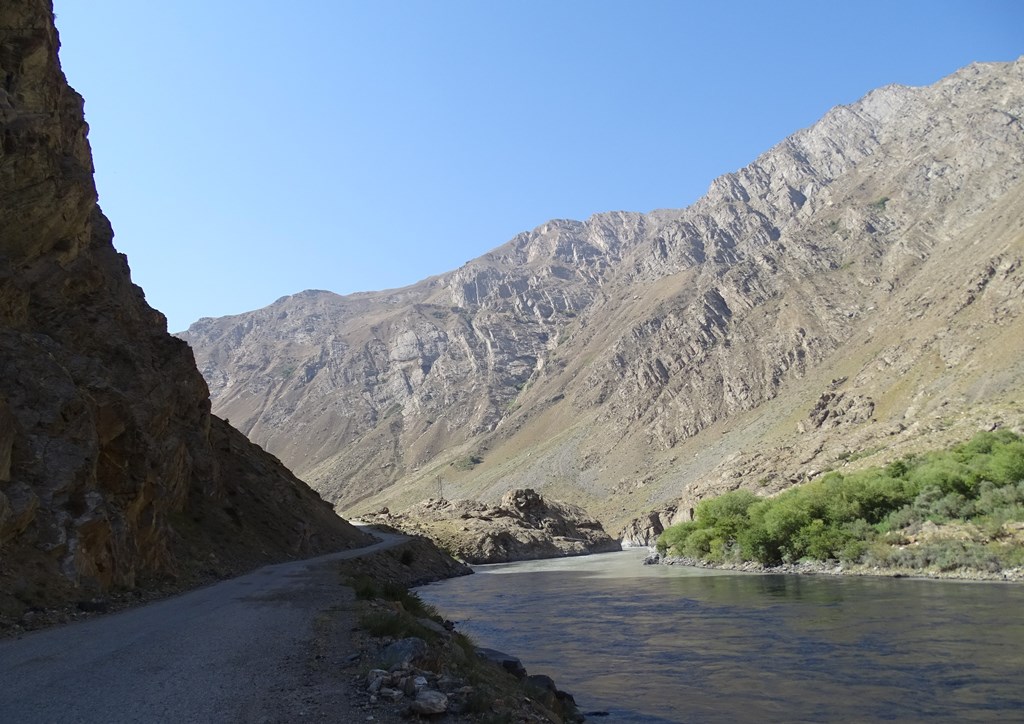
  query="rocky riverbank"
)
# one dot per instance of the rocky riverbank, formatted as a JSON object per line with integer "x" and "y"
{"x": 409, "y": 661}
{"x": 523, "y": 526}
{"x": 834, "y": 568}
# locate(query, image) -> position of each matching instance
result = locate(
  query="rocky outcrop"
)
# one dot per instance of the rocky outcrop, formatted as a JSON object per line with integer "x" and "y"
{"x": 113, "y": 472}
{"x": 837, "y": 408}
{"x": 633, "y": 361}
{"x": 643, "y": 531}
{"x": 524, "y": 526}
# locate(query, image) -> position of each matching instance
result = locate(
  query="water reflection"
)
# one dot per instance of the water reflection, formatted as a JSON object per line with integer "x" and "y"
{"x": 664, "y": 644}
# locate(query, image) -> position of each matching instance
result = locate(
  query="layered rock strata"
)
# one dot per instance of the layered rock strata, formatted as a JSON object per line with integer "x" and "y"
{"x": 859, "y": 287}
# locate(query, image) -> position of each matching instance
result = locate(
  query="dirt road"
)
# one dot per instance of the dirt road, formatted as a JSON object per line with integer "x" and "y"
{"x": 217, "y": 654}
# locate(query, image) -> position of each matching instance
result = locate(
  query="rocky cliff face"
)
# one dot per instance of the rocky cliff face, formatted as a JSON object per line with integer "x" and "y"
{"x": 854, "y": 292}
{"x": 112, "y": 469}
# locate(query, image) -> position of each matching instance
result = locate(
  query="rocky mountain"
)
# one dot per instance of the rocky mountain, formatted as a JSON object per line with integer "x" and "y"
{"x": 854, "y": 293}
{"x": 114, "y": 474}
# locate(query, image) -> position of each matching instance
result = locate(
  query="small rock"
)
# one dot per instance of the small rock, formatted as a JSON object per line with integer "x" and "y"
{"x": 432, "y": 625}
{"x": 447, "y": 683}
{"x": 542, "y": 682}
{"x": 510, "y": 663}
{"x": 402, "y": 652}
{"x": 429, "y": 701}
{"x": 375, "y": 679}
{"x": 409, "y": 686}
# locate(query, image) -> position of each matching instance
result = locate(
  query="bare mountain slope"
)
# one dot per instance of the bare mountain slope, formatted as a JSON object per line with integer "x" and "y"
{"x": 857, "y": 287}
{"x": 113, "y": 472}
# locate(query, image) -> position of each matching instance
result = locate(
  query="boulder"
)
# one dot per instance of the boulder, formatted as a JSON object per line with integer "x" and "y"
{"x": 510, "y": 663}
{"x": 403, "y": 652}
{"x": 429, "y": 701}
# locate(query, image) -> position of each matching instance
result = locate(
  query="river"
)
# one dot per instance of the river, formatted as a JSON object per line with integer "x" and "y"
{"x": 637, "y": 643}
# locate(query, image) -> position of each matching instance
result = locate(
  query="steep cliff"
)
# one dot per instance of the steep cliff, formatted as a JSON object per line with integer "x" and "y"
{"x": 113, "y": 472}
{"x": 855, "y": 291}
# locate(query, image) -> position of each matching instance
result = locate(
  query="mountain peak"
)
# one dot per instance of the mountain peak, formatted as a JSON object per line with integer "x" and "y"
{"x": 635, "y": 360}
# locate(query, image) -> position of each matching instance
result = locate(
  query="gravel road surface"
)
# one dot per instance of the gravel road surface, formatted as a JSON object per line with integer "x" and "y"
{"x": 217, "y": 654}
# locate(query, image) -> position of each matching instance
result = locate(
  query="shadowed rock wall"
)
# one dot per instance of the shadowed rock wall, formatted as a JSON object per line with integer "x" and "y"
{"x": 112, "y": 468}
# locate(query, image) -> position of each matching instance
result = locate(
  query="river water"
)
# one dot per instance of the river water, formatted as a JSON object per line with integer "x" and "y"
{"x": 637, "y": 643}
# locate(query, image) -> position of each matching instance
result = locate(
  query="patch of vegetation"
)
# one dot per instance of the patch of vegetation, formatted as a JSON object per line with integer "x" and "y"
{"x": 401, "y": 617}
{"x": 467, "y": 462}
{"x": 973, "y": 490}
{"x": 879, "y": 205}
{"x": 397, "y": 624}
{"x": 368, "y": 588}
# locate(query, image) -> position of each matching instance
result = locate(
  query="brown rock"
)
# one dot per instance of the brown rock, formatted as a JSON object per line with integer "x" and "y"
{"x": 112, "y": 469}
{"x": 429, "y": 701}
{"x": 524, "y": 526}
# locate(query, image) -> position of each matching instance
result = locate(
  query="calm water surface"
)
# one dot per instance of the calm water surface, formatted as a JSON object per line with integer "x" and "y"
{"x": 674, "y": 644}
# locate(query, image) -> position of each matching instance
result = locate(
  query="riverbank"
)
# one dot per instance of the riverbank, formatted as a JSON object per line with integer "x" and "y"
{"x": 407, "y": 660}
{"x": 834, "y": 568}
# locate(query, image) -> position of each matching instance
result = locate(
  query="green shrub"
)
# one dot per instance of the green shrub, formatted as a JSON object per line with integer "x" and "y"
{"x": 712, "y": 533}
{"x": 368, "y": 588}
{"x": 399, "y": 624}
{"x": 467, "y": 462}
{"x": 851, "y": 517}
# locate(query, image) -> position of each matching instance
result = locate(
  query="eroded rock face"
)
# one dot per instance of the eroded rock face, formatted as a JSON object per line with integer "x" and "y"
{"x": 838, "y": 408}
{"x": 524, "y": 526}
{"x": 112, "y": 469}
{"x": 644, "y": 530}
{"x": 633, "y": 361}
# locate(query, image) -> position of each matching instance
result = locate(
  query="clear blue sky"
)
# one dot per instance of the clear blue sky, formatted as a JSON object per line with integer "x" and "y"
{"x": 248, "y": 150}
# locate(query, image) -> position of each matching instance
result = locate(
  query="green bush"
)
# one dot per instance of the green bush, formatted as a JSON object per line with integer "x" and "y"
{"x": 842, "y": 516}
{"x": 714, "y": 536}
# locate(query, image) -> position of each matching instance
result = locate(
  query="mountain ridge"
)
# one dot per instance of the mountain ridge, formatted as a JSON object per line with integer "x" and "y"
{"x": 615, "y": 340}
